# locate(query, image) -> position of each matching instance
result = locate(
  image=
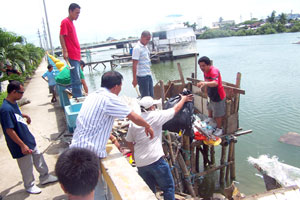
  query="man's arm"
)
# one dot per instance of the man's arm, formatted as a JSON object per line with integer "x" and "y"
{"x": 45, "y": 79}
{"x": 64, "y": 47}
{"x": 183, "y": 99}
{"x": 134, "y": 68}
{"x": 138, "y": 120}
{"x": 207, "y": 83}
{"x": 28, "y": 119}
{"x": 13, "y": 135}
{"x": 85, "y": 87}
{"x": 131, "y": 147}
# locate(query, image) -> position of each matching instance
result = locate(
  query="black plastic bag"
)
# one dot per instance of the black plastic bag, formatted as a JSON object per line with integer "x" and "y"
{"x": 184, "y": 119}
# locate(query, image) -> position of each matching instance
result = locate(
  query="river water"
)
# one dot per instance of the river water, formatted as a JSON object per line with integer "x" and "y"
{"x": 270, "y": 67}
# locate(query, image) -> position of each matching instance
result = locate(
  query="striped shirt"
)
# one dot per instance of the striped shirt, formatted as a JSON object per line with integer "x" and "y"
{"x": 95, "y": 120}
{"x": 142, "y": 54}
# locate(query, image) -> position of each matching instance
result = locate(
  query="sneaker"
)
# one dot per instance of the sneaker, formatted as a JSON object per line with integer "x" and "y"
{"x": 34, "y": 190}
{"x": 218, "y": 132}
{"x": 50, "y": 179}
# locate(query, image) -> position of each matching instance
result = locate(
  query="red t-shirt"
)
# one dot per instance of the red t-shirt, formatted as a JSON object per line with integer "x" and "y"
{"x": 215, "y": 94}
{"x": 67, "y": 29}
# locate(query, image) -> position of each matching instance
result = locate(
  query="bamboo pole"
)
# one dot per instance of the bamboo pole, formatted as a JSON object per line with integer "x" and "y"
{"x": 187, "y": 152}
{"x": 212, "y": 155}
{"x": 222, "y": 161}
{"x": 212, "y": 170}
{"x": 232, "y": 168}
{"x": 173, "y": 161}
{"x": 229, "y": 158}
{"x": 162, "y": 92}
{"x": 196, "y": 65}
{"x": 186, "y": 174}
{"x": 181, "y": 74}
{"x": 197, "y": 159}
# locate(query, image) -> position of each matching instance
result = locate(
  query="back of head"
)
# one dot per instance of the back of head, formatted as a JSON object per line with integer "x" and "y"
{"x": 73, "y": 6}
{"x": 110, "y": 79}
{"x": 77, "y": 170}
{"x": 13, "y": 85}
{"x": 145, "y": 34}
{"x": 204, "y": 59}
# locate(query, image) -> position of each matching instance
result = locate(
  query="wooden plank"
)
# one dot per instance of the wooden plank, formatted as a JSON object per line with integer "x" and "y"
{"x": 232, "y": 125}
{"x": 180, "y": 74}
{"x": 235, "y": 89}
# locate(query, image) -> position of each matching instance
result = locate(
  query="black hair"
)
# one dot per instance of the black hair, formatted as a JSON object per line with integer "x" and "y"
{"x": 73, "y": 6}
{"x": 110, "y": 79}
{"x": 78, "y": 169}
{"x": 204, "y": 59}
{"x": 82, "y": 63}
{"x": 13, "y": 85}
{"x": 49, "y": 66}
{"x": 145, "y": 34}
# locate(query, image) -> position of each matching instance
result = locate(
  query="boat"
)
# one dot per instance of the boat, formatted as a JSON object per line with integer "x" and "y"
{"x": 179, "y": 42}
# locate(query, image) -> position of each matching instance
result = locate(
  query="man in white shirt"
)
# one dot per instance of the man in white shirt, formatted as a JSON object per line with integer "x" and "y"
{"x": 148, "y": 154}
{"x": 141, "y": 64}
{"x": 96, "y": 117}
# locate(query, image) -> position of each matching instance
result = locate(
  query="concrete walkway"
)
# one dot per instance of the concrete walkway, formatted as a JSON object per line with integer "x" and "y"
{"x": 47, "y": 125}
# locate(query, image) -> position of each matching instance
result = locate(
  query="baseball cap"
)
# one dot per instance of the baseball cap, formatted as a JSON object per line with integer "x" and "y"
{"x": 147, "y": 102}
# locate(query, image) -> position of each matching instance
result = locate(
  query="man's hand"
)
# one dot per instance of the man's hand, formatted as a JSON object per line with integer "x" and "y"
{"x": 28, "y": 119}
{"x": 134, "y": 83}
{"x": 25, "y": 150}
{"x": 187, "y": 98}
{"x": 149, "y": 131}
{"x": 201, "y": 84}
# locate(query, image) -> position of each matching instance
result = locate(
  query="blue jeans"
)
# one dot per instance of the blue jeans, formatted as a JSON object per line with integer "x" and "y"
{"x": 75, "y": 78}
{"x": 145, "y": 85}
{"x": 159, "y": 173}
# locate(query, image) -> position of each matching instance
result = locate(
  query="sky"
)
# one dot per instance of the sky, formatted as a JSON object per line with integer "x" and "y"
{"x": 100, "y": 19}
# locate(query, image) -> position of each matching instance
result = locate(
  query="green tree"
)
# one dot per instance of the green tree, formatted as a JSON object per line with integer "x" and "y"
{"x": 282, "y": 18}
{"x": 271, "y": 18}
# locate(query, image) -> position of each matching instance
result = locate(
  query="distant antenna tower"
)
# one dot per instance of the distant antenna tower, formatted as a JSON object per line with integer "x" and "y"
{"x": 39, "y": 35}
{"x": 45, "y": 36}
{"x": 241, "y": 19}
{"x": 251, "y": 16}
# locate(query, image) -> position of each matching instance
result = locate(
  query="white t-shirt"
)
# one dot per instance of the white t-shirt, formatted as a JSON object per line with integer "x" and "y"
{"x": 95, "y": 120}
{"x": 148, "y": 151}
{"x": 142, "y": 54}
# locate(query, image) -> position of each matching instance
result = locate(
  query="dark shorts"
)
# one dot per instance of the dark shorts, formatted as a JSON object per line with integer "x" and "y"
{"x": 52, "y": 89}
{"x": 218, "y": 108}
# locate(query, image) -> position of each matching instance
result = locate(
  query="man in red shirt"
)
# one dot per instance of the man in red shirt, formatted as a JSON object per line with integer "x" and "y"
{"x": 216, "y": 102}
{"x": 71, "y": 48}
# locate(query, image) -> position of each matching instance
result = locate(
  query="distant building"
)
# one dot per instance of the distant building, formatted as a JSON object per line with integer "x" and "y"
{"x": 293, "y": 16}
{"x": 223, "y": 23}
{"x": 109, "y": 39}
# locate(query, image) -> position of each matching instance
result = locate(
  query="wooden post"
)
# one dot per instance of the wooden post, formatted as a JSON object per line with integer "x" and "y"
{"x": 186, "y": 174}
{"x": 212, "y": 155}
{"x": 197, "y": 159}
{"x": 196, "y": 65}
{"x": 181, "y": 74}
{"x": 229, "y": 158}
{"x": 173, "y": 161}
{"x": 232, "y": 167}
{"x": 222, "y": 161}
{"x": 187, "y": 152}
{"x": 162, "y": 92}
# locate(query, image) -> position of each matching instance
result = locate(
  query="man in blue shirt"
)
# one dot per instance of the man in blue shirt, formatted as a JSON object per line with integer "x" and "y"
{"x": 20, "y": 142}
{"x": 50, "y": 74}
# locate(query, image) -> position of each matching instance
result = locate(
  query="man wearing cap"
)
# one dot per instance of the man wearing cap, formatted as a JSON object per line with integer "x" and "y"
{"x": 213, "y": 82}
{"x": 148, "y": 154}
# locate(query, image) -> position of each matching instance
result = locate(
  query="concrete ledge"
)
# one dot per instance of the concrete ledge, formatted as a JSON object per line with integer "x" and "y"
{"x": 123, "y": 179}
